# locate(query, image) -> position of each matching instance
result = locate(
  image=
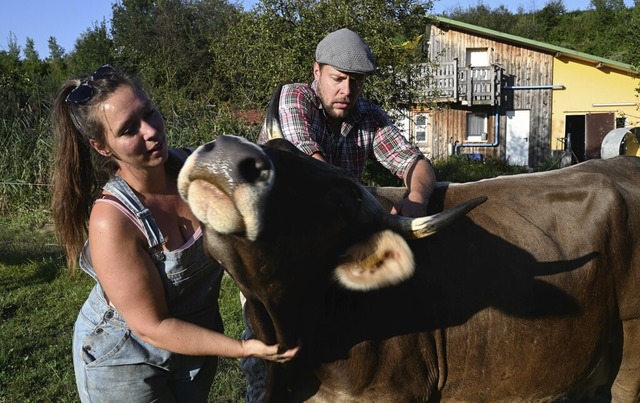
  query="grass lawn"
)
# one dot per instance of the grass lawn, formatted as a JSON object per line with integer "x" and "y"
{"x": 39, "y": 302}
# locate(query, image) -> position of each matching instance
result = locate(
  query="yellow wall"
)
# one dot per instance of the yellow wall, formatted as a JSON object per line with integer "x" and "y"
{"x": 586, "y": 85}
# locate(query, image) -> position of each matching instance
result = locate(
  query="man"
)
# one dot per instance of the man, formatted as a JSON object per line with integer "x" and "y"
{"x": 328, "y": 120}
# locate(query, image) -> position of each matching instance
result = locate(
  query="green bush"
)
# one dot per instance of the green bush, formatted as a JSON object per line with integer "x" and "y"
{"x": 458, "y": 168}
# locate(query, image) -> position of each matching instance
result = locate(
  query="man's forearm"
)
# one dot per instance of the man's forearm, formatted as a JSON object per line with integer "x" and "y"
{"x": 421, "y": 178}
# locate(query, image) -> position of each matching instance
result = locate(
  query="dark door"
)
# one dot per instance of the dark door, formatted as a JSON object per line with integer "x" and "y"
{"x": 574, "y": 134}
{"x": 585, "y": 133}
{"x": 598, "y": 125}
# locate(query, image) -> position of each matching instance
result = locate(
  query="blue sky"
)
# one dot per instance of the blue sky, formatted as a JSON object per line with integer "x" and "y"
{"x": 66, "y": 20}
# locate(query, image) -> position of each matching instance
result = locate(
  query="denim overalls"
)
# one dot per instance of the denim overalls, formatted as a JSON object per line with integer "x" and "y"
{"x": 111, "y": 363}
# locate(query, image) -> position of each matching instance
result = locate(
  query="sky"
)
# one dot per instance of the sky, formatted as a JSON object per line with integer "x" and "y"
{"x": 66, "y": 20}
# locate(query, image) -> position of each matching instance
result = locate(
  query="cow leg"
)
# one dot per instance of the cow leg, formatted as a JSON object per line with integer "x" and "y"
{"x": 626, "y": 387}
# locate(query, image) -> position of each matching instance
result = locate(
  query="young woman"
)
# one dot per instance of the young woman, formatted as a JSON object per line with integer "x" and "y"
{"x": 150, "y": 328}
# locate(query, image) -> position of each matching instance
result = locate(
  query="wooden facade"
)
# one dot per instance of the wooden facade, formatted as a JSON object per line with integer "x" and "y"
{"x": 494, "y": 94}
{"x": 515, "y": 78}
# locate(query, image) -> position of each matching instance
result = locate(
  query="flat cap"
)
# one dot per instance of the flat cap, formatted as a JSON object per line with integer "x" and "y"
{"x": 345, "y": 51}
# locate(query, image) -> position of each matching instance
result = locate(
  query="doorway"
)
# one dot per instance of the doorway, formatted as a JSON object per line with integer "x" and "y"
{"x": 585, "y": 133}
{"x": 517, "y": 142}
{"x": 574, "y": 134}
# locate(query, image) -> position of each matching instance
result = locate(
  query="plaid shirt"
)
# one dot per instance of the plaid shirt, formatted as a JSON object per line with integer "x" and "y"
{"x": 366, "y": 130}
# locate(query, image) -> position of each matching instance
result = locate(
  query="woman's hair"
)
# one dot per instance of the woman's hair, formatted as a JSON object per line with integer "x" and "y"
{"x": 79, "y": 171}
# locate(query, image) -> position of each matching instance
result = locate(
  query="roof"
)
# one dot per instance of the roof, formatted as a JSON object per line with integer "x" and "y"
{"x": 558, "y": 51}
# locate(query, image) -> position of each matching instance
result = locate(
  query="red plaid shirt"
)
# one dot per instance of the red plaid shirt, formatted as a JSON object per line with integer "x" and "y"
{"x": 367, "y": 130}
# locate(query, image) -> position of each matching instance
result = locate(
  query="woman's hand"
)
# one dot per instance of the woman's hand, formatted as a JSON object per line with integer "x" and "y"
{"x": 256, "y": 348}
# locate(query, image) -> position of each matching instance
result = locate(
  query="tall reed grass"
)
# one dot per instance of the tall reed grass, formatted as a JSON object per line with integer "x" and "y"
{"x": 26, "y": 150}
{"x": 25, "y": 159}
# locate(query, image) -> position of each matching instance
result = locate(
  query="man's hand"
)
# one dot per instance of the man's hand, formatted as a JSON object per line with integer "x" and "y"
{"x": 414, "y": 205}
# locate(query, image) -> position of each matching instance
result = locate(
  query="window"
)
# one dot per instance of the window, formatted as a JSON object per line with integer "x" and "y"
{"x": 478, "y": 57}
{"x": 420, "y": 127}
{"x": 476, "y": 127}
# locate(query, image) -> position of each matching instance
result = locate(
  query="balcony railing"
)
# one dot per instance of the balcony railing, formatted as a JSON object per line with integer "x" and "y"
{"x": 467, "y": 85}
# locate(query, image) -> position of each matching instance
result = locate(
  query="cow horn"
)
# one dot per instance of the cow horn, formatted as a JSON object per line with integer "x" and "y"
{"x": 422, "y": 227}
{"x": 272, "y": 121}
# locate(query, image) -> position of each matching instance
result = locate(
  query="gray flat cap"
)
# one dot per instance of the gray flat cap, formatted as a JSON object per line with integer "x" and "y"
{"x": 345, "y": 51}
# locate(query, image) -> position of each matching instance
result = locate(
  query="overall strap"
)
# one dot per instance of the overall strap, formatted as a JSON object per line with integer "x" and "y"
{"x": 121, "y": 190}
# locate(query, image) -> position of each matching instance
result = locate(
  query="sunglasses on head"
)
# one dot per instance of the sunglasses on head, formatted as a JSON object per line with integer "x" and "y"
{"x": 84, "y": 91}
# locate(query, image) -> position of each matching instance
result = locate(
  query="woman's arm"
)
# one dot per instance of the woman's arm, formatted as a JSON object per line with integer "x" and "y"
{"x": 133, "y": 286}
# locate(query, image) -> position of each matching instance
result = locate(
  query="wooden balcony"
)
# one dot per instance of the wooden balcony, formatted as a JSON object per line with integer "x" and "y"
{"x": 468, "y": 85}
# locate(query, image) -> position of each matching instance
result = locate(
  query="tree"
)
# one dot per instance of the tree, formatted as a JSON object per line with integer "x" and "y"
{"x": 30, "y": 52}
{"x": 275, "y": 43}
{"x": 57, "y": 63}
{"x": 21, "y": 80}
{"x": 550, "y": 15}
{"x": 33, "y": 72}
{"x": 13, "y": 49}
{"x": 604, "y": 30}
{"x": 56, "y": 52}
{"x": 11, "y": 78}
{"x": 92, "y": 49}
{"x": 169, "y": 44}
{"x": 610, "y": 34}
{"x": 499, "y": 19}
{"x": 631, "y": 34}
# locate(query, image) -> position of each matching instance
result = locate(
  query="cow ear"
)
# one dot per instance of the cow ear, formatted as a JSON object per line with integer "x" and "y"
{"x": 383, "y": 260}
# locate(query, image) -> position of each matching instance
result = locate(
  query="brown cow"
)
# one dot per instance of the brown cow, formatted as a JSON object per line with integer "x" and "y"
{"x": 532, "y": 296}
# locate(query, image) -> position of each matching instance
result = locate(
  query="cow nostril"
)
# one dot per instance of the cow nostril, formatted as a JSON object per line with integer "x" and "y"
{"x": 254, "y": 170}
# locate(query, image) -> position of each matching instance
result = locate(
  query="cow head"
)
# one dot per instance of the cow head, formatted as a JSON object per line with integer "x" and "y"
{"x": 284, "y": 225}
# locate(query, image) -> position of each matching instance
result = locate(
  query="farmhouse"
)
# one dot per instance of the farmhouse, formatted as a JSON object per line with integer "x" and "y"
{"x": 507, "y": 97}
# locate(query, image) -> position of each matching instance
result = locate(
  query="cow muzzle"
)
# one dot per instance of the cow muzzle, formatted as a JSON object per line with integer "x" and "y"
{"x": 225, "y": 183}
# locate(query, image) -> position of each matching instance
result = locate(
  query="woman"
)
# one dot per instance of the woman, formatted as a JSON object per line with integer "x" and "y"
{"x": 150, "y": 328}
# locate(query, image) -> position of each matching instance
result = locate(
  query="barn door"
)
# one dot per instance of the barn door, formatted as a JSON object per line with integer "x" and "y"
{"x": 517, "y": 142}
{"x": 586, "y": 133}
{"x": 598, "y": 125}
